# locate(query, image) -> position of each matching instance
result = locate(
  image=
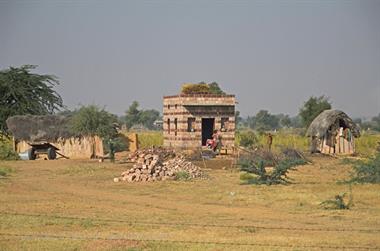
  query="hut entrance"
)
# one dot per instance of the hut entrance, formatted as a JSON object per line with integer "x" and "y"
{"x": 207, "y": 129}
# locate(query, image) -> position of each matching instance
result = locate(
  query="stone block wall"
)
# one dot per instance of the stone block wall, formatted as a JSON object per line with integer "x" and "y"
{"x": 179, "y": 109}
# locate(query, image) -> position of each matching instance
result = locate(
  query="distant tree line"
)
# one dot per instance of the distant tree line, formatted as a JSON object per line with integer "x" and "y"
{"x": 23, "y": 92}
{"x": 135, "y": 116}
{"x": 265, "y": 121}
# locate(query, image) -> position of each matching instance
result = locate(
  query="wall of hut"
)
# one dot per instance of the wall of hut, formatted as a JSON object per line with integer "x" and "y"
{"x": 339, "y": 141}
{"x": 74, "y": 147}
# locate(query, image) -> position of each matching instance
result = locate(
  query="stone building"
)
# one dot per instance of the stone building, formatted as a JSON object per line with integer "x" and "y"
{"x": 190, "y": 119}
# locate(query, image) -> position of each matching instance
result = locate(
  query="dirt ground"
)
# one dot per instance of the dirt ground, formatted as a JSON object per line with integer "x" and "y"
{"x": 75, "y": 205}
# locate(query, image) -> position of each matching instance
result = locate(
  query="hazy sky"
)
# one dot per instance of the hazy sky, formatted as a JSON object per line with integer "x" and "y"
{"x": 272, "y": 54}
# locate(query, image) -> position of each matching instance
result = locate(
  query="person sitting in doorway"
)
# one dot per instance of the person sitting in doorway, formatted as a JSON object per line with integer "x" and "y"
{"x": 214, "y": 141}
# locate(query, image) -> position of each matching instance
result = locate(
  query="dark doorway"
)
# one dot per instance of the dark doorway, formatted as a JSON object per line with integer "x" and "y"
{"x": 207, "y": 129}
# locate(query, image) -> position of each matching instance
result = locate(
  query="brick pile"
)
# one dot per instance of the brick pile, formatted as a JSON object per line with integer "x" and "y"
{"x": 156, "y": 165}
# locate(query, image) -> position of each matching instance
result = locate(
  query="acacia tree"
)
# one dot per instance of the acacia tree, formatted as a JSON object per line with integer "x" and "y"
{"x": 312, "y": 108}
{"x": 23, "y": 92}
{"x": 91, "y": 120}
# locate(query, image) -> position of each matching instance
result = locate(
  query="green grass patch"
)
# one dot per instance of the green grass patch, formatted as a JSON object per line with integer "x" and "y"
{"x": 366, "y": 144}
{"x": 5, "y": 171}
{"x": 150, "y": 138}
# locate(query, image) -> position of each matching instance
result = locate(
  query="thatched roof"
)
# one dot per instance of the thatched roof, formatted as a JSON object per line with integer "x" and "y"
{"x": 331, "y": 119}
{"x": 39, "y": 128}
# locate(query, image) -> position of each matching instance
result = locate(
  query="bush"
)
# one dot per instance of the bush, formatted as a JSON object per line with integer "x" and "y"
{"x": 262, "y": 176}
{"x": 367, "y": 171}
{"x": 4, "y": 171}
{"x": 6, "y": 151}
{"x": 182, "y": 175}
{"x": 195, "y": 88}
{"x": 248, "y": 139}
{"x": 339, "y": 202}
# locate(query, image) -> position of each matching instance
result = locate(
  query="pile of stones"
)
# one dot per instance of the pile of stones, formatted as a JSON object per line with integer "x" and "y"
{"x": 158, "y": 164}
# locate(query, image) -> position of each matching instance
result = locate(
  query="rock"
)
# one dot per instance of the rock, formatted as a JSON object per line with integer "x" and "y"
{"x": 116, "y": 179}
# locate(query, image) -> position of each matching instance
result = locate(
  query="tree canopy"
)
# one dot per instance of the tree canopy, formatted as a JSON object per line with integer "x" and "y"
{"x": 263, "y": 121}
{"x": 23, "y": 92}
{"x": 312, "y": 108}
{"x": 91, "y": 121}
{"x": 134, "y": 116}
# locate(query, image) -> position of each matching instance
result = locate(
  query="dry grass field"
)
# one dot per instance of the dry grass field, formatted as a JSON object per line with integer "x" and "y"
{"x": 75, "y": 205}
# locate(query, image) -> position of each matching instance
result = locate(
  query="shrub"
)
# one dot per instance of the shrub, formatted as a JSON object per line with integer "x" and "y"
{"x": 182, "y": 175}
{"x": 4, "y": 171}
{"x": 195, "y": 88}
{"x": 339, "y": 202}
{"x": 248, "y": 139}
{"x": 261, "y": 176}
{"x": 6, "y": 151}
{"x": 367, "y": 171}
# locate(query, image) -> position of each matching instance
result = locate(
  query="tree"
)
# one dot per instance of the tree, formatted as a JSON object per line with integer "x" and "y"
{"x": 23, "y": 92}
{"x": 147, "y": 118}
{"x": 238, "y": 118}
{"x": 285, "y": 121}
{"x": 215, "y": 89}
{"x": 312, "y": 108}
{"x": 132, "y": 115}
{"x": 92, "y": 121}
{"x": 376, "y": 122}
{"x": 265, "y": 121}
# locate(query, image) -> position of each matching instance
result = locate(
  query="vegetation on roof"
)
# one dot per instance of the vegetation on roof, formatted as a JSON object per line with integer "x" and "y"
{"x": 202, "y": 88}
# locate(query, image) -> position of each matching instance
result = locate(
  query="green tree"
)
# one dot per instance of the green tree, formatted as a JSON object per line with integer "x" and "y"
{"x": 265, "y": 121}
{"x": 215, "y": 89}
{"x": 376, "y": 122}
{"x": 238, "y": 119}
{"x": 23, "y": 92}
{"x": 147, "y": 117}
{"x": 312, "y": 108}
{"x": 92, "y": 121}
{"x": 285, "y": 121}
{"x": 132, "y": 116}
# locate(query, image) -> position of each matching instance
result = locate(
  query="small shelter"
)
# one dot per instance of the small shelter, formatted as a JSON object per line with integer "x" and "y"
{"x": 333, "y": 132}
{"x": 52, "y": 130}
{"x": 190, "y": 119}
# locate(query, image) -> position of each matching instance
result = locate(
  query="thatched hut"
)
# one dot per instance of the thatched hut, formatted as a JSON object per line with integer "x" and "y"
{"x": 53, "y": 129}
{"x": 333, "y": 132}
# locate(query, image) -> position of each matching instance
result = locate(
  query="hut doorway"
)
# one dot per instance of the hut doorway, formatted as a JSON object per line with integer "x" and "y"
{"x": 207, "y": 129}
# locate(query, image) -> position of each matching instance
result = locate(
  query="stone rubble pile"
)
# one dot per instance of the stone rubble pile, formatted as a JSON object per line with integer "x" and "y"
{"x": 158, "y": 164}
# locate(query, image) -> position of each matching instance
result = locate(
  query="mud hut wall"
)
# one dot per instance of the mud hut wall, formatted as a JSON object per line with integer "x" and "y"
{"x": 74, "y": 148}
{"x": 341, "y": 146}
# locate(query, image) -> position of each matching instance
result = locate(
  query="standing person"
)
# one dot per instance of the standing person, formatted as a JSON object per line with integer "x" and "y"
{"x": 112, "y": 150}
{"x": 269, "y": 141}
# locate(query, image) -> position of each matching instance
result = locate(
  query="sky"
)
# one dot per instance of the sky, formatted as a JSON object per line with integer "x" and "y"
{"x": 272, "y": 55}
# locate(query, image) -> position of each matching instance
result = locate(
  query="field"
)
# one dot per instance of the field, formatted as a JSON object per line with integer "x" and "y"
{"x": 75, "y": 205}
{"x": 365, "y": 145}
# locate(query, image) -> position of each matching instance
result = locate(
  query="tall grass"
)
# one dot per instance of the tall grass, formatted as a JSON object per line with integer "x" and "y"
{"x": 366, "y": 144}
{"x": 281, "y": 139}
{"x": 150, "y": 138}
